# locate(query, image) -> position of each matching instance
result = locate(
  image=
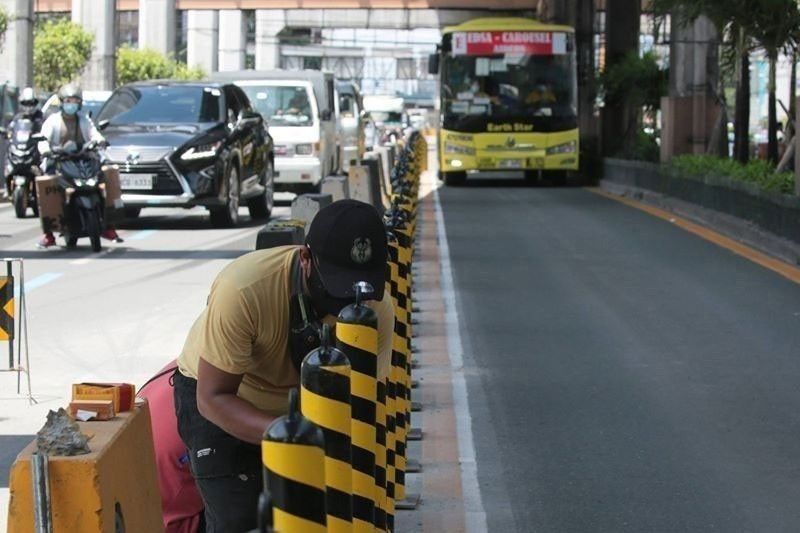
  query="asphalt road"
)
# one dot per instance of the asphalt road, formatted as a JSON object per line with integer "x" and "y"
{"x": 623, "y": 375}
{"x": 121, "y": 314}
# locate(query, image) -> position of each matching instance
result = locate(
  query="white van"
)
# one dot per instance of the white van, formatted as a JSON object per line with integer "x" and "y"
{"x": 301, "y": 110}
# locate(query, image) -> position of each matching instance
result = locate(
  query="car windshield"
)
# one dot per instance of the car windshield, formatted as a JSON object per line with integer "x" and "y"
{"x": 282, "y": 105}
{"x": 161, "y": 104}
{"x": 520, "y": 84}
{"x": 387, "y": 117}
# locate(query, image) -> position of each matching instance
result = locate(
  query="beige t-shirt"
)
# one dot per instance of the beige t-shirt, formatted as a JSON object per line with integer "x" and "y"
{"x": 244, "y": 328}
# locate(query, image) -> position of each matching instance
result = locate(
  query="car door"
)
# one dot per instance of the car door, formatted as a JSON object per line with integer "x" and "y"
{"x": 255, "y": 144}
{"x": 233, "y": 111}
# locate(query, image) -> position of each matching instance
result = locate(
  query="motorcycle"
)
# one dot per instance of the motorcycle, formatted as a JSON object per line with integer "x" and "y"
{"x": 80, "y": 176}
{"x": 22, "y": 167}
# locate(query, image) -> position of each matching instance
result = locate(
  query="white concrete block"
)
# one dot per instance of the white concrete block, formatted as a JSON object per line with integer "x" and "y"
{"x": 269, "y": 23}
{"x": 336, "y": 186}
{"x": 306, "y": 206}
{"x": 100, "y": 18}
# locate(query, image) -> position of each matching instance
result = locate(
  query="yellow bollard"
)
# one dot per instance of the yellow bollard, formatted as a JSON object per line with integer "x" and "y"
{"x": 357, "y": 337}
{"x": 325, "y": 400}
{"x": 294, "y": 463}
{"x": 400, "y": 353}
{"x": 380, "y": 457}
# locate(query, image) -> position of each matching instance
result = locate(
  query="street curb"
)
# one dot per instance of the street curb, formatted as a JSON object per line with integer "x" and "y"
{"x": 741, "y": 230}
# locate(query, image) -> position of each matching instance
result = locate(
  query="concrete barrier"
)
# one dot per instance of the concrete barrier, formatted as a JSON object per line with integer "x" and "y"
{"x": 114, "y": 484}
{"x": 336, "y": 186}
{"x": 306, "y": 206}
{"x": 365, "y": 185}
{"x": 280, "y": 234}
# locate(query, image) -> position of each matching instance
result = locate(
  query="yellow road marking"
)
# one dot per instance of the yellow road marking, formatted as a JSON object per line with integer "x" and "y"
{"x": 784, "y": 269}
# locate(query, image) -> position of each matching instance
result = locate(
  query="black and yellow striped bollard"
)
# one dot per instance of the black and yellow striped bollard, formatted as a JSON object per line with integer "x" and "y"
{"x": 325, "y": 400}
{"x": 294, "y": 459}
{"x": 357, "y": 337}
{"x": 400, "y": 354}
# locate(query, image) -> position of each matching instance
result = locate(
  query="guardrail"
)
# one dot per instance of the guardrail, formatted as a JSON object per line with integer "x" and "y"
{"x": 347, "y": 440}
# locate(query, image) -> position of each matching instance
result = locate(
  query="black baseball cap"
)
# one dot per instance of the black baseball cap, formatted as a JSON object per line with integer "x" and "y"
{"x": 348, "y": 243}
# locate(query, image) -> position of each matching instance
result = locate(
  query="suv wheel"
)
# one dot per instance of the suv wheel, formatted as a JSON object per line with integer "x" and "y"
{"x": 228, "y": 216}
{"x": 260, "y": 207}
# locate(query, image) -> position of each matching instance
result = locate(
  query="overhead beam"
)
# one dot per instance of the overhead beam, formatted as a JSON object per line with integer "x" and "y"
{"x": 125, "y": 5}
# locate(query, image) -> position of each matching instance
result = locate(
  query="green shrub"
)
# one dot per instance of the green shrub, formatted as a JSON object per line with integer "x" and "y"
{"x": 135, "y": 64}
{"x": 61, "y": 50}
{"x": 758, "y": 172}
{"x": 3, "y": 25}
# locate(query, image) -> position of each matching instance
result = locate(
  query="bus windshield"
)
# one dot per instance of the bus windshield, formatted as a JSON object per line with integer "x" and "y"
{"x": 489, "y": 83}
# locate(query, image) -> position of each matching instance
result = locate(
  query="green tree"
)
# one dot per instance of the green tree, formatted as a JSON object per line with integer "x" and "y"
{"x": 639, "y": 82}
{"x": 135, "y": 64}
{"x": 61, "y": 50}
{"x": 3, "y": 25}
{"x": 776, "y": 27}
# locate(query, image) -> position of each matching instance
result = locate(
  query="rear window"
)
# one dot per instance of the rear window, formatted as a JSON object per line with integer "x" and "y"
{"x": 163, "y": 104}
{"x": 281, "y": 106}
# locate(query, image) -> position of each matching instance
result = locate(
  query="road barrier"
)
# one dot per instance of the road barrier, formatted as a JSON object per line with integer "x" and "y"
{"x": 14, "y": 322}
{"x": 314, "y": 480}
{"x": 357, "y": 337}
{"x": 325, "y": 401}
{"x": 114, "y": 485}
{"x": 294, "y": 461}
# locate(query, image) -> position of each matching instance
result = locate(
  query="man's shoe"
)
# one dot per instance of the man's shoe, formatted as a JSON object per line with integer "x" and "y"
{"x": 46, "y": 241}
{"x": 111, "y": 235}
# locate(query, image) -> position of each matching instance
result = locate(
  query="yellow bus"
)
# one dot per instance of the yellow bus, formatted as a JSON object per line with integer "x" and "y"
{"x": 508, "y": 90}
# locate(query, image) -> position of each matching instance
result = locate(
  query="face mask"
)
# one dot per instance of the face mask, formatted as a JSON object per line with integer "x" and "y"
{"x": 70, "y": 108}
{"x": 324, "y": 303}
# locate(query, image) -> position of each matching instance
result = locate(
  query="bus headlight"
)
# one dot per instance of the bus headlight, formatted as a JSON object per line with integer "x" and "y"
{"x": 565, "y": 148}
{"x": 458, "y": 149}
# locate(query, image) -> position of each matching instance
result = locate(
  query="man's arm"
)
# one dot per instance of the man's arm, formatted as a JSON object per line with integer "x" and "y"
{"x": 217, "y": 401}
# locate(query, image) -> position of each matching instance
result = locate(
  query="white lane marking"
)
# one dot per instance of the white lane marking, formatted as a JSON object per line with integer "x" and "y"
{"x": 82, "y": 261}
{"x": 475, "y": 516}
{"x": 44, "y": 279}
{"x": 139, "y": 235}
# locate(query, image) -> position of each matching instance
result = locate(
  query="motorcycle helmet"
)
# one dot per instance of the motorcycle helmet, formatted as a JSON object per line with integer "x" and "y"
{"x": 28, "y": 100}
{"x": 70, "y": 91}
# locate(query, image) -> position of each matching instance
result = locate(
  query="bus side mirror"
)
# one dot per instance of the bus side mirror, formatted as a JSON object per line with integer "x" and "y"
{"x": 433, "y": 64}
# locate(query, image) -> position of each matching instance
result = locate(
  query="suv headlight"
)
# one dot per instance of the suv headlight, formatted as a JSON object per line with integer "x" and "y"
{"x": 201, "y": 151}
{"x": 450, "y": 148}
{"x": 565, "y": 148}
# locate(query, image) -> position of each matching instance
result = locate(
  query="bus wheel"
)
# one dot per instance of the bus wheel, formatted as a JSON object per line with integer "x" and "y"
{"x": 453, "y": 178}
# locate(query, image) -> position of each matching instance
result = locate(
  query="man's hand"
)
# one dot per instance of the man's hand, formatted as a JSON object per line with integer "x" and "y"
{"x": 217, "y": 402}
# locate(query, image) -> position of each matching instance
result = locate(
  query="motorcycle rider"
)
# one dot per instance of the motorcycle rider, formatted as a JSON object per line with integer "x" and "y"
{"x": 69, "y": 125}
{"x": 28, "y": 110}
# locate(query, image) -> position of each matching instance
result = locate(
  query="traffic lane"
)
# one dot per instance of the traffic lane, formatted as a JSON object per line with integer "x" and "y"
{"x": 626, "y": 375}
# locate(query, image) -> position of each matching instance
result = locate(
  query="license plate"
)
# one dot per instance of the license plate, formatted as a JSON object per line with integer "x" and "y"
{"x": 510, "y": 163}
{"x": 136, "y": 181}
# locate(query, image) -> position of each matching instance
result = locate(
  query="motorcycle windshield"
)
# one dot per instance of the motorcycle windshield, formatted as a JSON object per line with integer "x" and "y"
{"x": 23, "y": 129}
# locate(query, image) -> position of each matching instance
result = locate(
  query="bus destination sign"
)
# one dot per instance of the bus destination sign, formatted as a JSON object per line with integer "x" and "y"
{"x": 487, "y": 43}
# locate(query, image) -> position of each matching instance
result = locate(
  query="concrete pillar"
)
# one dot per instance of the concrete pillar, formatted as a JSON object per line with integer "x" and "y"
{"x": 202, "y": 36}
{"x": 157, "y": 25}
{"x": 16, "y": 60}
{"x": 269, "y": 23}
{"x": 232, "y": 39}
{"x": 100, "y": 18}
{"x": 691, "y": 112}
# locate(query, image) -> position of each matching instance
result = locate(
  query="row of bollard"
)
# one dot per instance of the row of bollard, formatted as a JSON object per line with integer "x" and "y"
{"x": 337, "y": 461}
